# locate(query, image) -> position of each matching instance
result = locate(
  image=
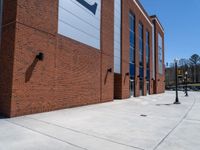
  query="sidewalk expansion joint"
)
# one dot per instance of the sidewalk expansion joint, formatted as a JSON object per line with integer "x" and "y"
{"x": 63, "y": 141}
{"x": 80, "y": 132}
{"x": 182, "y": 119}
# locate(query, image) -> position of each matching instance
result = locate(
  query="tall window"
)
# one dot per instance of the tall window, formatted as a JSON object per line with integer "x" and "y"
{"x": 147, "y": 55}
{"x": 141, "y": 47}
{"x": 132, "y": 44}
{"x": 153, "y": 52}
{"x": 160, "y": 54}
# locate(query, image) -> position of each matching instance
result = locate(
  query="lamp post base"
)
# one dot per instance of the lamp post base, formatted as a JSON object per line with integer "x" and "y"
{"x": 186, "y": 94}
{"x": 177, "y": 102}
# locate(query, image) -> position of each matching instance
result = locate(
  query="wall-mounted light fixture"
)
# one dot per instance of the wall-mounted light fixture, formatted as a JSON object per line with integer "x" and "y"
{"x": 110, "y": 70}
{"x": 40, "y": 56}
{"x": 138, "y": 76}
{"x": 126, "y": 74}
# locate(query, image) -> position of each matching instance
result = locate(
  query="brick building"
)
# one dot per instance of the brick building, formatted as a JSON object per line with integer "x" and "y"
{"x": 64, "y": 53}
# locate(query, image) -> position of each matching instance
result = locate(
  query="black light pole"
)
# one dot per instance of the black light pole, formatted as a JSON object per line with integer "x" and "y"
{"x": 186, "y": 80}
{"x": 176, "y": 82}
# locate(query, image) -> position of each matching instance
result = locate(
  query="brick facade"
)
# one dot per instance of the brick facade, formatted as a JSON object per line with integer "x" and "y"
{"x": 127, "y": 7}
{"x": 71, "y": 74}
{"x": 159, "y": 83}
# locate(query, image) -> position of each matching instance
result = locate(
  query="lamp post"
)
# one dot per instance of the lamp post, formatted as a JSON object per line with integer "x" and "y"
{"x": 176, "y": 82}
{"x": 186, "y": 80}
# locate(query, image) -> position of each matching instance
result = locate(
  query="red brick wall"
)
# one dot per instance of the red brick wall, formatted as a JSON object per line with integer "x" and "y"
{"x": 107, "y": 50}
{"x": 77, "y": 74}
{"x": 159, "y": 82}
{"x": 71, "y": 74}
{"x": 7, "y": 55}
{"x": 118, "y": 85}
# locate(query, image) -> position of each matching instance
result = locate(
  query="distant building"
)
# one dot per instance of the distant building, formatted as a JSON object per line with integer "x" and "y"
{"x": 57, "y": 54}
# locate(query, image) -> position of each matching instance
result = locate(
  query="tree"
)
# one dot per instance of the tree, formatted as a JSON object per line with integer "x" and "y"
{"x": 194, "y": 61}
{"x": 183, "y": 62}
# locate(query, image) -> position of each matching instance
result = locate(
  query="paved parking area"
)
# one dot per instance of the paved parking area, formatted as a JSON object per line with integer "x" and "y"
{"x": 144, "y": 123}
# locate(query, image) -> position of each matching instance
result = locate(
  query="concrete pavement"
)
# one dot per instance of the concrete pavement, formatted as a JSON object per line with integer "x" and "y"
{"x": 144, "y": 123}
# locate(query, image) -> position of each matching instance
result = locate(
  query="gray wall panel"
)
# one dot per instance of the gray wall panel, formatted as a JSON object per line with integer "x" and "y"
{"x": 117, "y": 37}
{"x": 77, "y": 22}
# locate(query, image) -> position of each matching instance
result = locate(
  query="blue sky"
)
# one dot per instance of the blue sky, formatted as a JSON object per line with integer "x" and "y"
{"x": 181, "y": 21}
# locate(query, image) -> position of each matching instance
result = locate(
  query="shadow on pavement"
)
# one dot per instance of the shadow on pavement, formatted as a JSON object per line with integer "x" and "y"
{"x": 2, "y": 117}
{"x": 164, "y": 104}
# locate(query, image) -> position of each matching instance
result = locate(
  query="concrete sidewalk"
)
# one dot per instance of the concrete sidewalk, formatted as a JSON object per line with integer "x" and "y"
{"x": 149, "y": 123}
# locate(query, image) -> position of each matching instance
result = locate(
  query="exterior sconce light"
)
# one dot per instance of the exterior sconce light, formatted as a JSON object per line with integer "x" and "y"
{"x": 138, "y": 76}
{"x": 110, "y": 70}
{"x": 40, "y": 56}
{"x": 127, "y": 74}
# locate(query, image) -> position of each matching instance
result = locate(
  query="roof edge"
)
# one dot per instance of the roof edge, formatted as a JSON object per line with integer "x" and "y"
{"x": 139, "y": 5}
{"x": 154, "y": 17}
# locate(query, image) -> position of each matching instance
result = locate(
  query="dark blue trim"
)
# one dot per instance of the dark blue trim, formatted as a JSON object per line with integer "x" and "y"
{"x": 92, "y": 8}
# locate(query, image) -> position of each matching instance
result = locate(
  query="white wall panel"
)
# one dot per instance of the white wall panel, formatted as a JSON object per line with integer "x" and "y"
{"x": 78, "y": 22}
{"x": 160, "y": 54}
{"x": 117, "y": 36}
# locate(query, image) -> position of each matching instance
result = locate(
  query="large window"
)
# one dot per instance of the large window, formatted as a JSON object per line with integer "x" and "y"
{"x": 153, "y": 53}
{"x": 160, "y": 54}
{"x": 147, "y": 55}
{"x": 141, "y": 47}
{"x": 141, "y": 52}
{"x": 132, "y": 44}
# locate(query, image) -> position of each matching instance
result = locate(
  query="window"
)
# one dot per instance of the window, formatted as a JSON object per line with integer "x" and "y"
{"x": 147, "y": 56}
{"x": 160, "y": 54}
{"x": 132, "y": 44}
{"x": 153, "y": 53}
{"x": 141, "y": 47}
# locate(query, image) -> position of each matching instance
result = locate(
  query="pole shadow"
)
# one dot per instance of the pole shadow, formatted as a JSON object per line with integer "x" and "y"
{"x": 165, "y": 104}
